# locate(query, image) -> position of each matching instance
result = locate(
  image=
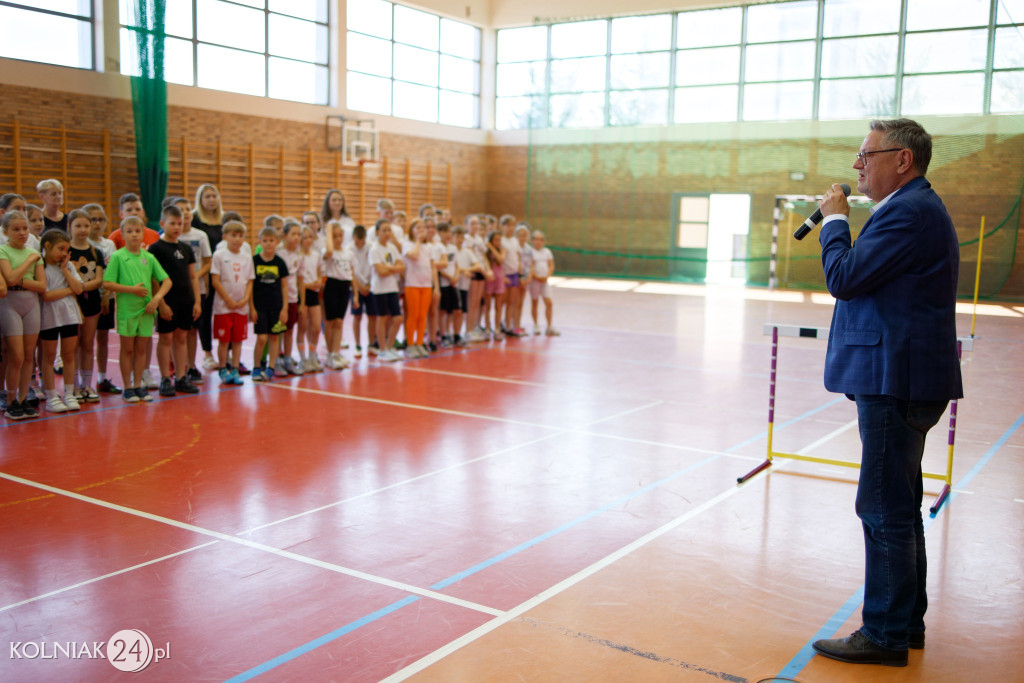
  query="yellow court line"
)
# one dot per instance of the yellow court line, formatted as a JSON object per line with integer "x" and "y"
{"x": 149, "y": 468}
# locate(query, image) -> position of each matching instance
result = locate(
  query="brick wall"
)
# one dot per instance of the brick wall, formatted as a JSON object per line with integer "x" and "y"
{"x": 617, "y": 198}
{"x": 612, "y": 197}
{"x": 49, "y": 108}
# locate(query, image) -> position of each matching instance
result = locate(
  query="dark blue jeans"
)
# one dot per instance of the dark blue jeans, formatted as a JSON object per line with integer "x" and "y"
{"x": 892, "y": 434}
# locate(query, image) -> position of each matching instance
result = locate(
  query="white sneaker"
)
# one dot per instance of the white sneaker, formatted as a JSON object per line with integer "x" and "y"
{"x": 536, "y": 330}
{"x": 209, "y": 363}
{"x": 71, "y": 402}
{"x": 343, "y": 362}
{"x": 318, "y": 364}
{"x": 55, "y": 405}
{"x": 359, "y": 351}
{"x": 309, "y": 365}
{"x": 344, "y": 345}
{"x": 147, "y": 380}
{"x": 389, "y": 356}
{"x": 552, "y": 332}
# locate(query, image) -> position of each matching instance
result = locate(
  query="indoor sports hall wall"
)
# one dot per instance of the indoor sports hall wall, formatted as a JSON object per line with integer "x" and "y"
{"x": 606, "y": 204}
{"x": 98, "y": 163}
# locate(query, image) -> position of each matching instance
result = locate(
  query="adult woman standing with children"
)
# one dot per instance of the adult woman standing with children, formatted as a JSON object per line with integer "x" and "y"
{"x": 208, "y": 216}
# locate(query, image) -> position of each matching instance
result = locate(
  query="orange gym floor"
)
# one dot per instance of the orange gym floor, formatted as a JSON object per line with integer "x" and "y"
{"x": 543, "y": 509}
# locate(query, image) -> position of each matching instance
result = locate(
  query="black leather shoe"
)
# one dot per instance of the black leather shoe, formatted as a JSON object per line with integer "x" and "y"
{"x": 857, "y": 649}
{"x": 916, "y": 640}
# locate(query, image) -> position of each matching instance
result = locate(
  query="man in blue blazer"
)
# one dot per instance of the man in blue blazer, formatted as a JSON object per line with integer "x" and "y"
{"x": 892, "y": 349}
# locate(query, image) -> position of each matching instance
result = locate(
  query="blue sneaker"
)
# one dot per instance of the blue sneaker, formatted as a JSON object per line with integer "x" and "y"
{"x": 257, "y": 375}
{"x": 225, "y": 375}
{"x": 268, "y": 374}
{"x": 129, "y": 396}
{"x": 234, "y": 378}
{"x": 143, "y": 394}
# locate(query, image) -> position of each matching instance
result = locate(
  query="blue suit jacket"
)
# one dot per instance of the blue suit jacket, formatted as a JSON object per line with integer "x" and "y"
{"x": 893, "y": 328}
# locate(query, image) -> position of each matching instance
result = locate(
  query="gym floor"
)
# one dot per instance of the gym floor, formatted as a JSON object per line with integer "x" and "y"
{"x": 535, "y": 509}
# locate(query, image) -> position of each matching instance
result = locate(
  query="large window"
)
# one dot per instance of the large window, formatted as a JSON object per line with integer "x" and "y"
{"x": 273, "y": 48}
{"x": 796, "y": 60}
{"x": 49, "y": 31}
{"x": 412, "y": 64}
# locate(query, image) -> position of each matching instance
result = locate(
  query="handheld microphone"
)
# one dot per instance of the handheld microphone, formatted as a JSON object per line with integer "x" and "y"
{"x": 816, "y": 217}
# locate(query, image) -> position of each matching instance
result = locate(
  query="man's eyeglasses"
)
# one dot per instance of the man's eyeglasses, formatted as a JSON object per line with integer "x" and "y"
{"x": 863, "y": 156}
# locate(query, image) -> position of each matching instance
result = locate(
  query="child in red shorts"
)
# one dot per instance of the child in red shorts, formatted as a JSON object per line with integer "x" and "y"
{"x": 231, "y": 274}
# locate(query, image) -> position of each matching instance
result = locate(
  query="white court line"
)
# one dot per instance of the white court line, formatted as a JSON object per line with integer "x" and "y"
{"x": 408, "y": 588}
{"x": 615, "y": 417}
{"x": 313, "y": 511}
{"x": 367, "y": 494}
{"x": 583, "y": 574}
{"x": 1018, "y": 500}
{"x": 485, "y": 378}
{"x": 601, "y": 392}
{"x": 106, "y": 576}
{"x": 280, "y": 521}
{"x": 522, "y": 423}
{"x": 398, "y": 404}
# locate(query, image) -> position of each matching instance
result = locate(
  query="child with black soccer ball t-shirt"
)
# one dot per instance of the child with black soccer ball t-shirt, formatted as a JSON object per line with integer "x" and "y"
{"x": 269, "y": 310}
{"x": 88, "y": 261}
{"x": 180, "y": 307}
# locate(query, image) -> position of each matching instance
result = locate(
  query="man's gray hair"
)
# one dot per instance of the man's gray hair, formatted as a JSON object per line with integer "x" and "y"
{"x": 907, "y": 134}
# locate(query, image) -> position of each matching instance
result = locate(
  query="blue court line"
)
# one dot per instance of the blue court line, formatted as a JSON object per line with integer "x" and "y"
{"x": 323, "y": 640}
{"x": 803, "y": 657}
{"x": 348, "y": 628}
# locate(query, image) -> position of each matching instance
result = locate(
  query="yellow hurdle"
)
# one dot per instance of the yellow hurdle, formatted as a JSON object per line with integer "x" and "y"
{"x": 977, "y": 276}
{"x": 822, "y": 333}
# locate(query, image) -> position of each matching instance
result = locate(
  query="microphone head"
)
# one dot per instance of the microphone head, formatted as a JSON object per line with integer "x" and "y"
{"x": 845, "y": 188}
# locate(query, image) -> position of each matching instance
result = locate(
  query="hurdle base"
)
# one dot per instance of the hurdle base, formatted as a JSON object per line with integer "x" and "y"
{"x": 943, "y": 495}
{"x": 760, "y": 468}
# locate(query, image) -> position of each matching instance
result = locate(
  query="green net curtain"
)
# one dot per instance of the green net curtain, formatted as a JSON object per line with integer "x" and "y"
{"x": 149, "y": 106}
{"x": 608, "y": 198}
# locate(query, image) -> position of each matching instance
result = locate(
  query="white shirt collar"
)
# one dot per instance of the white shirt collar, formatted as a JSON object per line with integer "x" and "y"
{"x": 880, "y": 204}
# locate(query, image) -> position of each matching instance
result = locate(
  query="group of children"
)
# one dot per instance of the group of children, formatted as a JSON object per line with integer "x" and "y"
{"x": 66, "y": 283}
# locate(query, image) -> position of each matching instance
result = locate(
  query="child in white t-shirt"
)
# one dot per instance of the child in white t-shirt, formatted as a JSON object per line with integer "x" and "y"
{"x": 289, "y": 251}
{"x": 231, "y": 276}
{"x": 362, "y": 302}
{"x": 543, "y": 268}
{"x": 467, "y": 265}
{"x": 387, "y": 265}
{"x": 310, "y": 281}
{"x": 337, "y": 265}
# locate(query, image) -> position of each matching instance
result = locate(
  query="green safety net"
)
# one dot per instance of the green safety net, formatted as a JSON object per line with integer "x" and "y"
{"x": 149, "y": 106}
{"x": 609, "y": 200}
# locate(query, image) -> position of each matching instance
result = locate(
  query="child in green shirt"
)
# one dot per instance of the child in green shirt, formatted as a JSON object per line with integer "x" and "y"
{"x": 130, "y": 275}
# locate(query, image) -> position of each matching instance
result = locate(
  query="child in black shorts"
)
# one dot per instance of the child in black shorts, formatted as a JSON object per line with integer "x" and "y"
{"x": 89, "y": 263}
{"x": 180, "y": 307}
{"x": 106, "y": 321}
{"x": 269, "y": 303}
